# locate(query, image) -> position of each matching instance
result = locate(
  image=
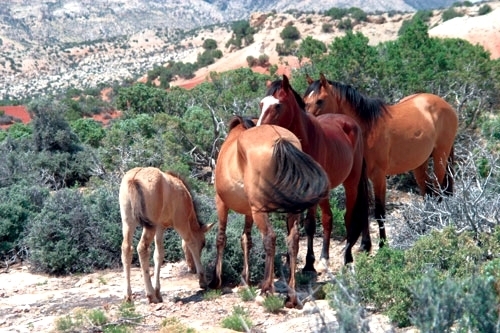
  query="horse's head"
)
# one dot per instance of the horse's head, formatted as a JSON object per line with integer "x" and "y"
{"x": 320, "y": 98}
{"x": 281, "y": 104}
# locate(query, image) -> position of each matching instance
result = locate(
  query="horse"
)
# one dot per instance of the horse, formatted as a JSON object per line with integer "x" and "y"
{"x": 336, "y": 143}
{"x": 261, "y": 170}
{"x": 158, "y": 200}
{"x": 398, "y": 138}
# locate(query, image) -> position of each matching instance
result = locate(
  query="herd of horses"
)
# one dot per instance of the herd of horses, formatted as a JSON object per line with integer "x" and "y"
{"x": 287, "y": 161}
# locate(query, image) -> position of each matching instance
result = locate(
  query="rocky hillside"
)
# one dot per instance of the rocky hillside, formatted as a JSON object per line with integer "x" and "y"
{"x": 47, "y": 47}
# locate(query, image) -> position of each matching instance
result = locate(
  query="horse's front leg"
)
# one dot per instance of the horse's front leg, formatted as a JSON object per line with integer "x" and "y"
{"x": 246, "y": 246}
{"x": 310, "y": 229}
{"x": 269, "y": 238}
{"x": 293, "y": 250}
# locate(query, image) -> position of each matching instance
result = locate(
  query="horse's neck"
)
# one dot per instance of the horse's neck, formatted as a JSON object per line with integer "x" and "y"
{"x": 305, "y": 128}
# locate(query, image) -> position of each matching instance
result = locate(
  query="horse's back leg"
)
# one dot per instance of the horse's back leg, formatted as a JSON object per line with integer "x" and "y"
{"x": 352, "y": 217}
{"x": 422, "y": 177}
{"x": 379, "y": 191}
{"x": 222, "y": 212}
{"x": 310, "y": 229}
{"x": 246, "y": 245}
{"x": 128, "y": 228}
{"x": 443, "y": 169}
{"x": 159, "y": 254}
{"x": 327, "y": 223}
{"x": 269, "y": 239}
{"x": 143, "y": 249}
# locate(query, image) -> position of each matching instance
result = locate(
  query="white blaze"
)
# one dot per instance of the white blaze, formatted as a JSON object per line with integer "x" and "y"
{"x": 266, "y": 103}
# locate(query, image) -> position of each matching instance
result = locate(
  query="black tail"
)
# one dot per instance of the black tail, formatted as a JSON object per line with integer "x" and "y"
{"x": 300, "y": 182}
{"x": 450, "y": 173}
{"x": 361, "y": 213}
{"x": 138, "y": 204}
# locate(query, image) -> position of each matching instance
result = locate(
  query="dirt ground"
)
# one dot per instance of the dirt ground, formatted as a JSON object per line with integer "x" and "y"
{"x": 32, "y": 302}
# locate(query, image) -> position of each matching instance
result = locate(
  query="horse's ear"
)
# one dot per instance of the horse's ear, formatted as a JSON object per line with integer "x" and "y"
{"x": 323, "y": 80}
{"x": 309, "y": 79}
{"x": 207, "y": 227}
{"x": 268, "y": 83}
{"x": 285, "y": 83}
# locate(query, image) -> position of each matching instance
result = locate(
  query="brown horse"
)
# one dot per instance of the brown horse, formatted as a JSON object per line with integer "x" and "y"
{"x": 158, "y": 200}
{"x": 260, "y": 170}
{"x": 398, "y": 138}
{"x": 336, "y": 143}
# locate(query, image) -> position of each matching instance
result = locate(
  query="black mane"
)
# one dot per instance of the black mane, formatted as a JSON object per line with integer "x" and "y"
{"x": 367, "y": 108}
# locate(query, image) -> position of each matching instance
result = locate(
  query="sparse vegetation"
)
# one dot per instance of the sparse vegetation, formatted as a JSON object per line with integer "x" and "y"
{"x": 273, "y": 303}
{"x": 238, "y": 321}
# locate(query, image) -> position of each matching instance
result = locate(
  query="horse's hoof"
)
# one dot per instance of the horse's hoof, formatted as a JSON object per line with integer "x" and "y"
{"x": 323, "y": 265}
{"x": 309, "y": 268}
{"x": 214, "y": 284}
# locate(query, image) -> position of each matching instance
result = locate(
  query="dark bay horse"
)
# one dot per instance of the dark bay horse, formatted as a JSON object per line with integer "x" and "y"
{"x": 398, "y": 138}
{"x": 336, "y": 143}
{"x": 158, "y": 200}
{"x": 260, "y": 170}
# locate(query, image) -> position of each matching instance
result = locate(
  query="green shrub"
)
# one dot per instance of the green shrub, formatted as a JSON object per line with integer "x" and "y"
{"x": 89, "y": 131}
{"x": 173, "y": 325}
{"x": 290, "y": 32}
{"x": 446, "y": 251}
{"x": 247, "y": 293}
{"x": 18, "y": 204}
{"x": 345, "y": 24}
{"x": 327, "y": 27}
{"x": 336, "y": 13}
{"x": 444, "y": 305}
{"x": 450, "y": 13}
{"x": 273, "y": 303}
{"x": 69, "y": 235}
{"x": 210, "y": 295}
{"x": 238, "y": 320}
{"x": 384, "y": 281}
{"x": 484, "y": 9}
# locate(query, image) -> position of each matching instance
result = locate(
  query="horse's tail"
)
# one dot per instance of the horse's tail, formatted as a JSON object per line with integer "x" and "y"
{"x": 138, "y": 203}
{"x": 361, "y": 210}
{"x": 450, "y": 173}
{"x": 299, "y": 182}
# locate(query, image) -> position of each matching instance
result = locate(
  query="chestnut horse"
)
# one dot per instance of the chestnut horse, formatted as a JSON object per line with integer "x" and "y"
{"x": 398, "y": 138}
{"x": 158, "y": 200}
{"x": 260, "y": 170}
{"x": 336, "y": 143}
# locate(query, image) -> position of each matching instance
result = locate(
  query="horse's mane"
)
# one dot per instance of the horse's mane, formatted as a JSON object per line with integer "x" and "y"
{"x": 188, "y": 187}
{"x": 247, "y": 122}
{"x": 367, "y": 108}
{"x": 276, "y": 85}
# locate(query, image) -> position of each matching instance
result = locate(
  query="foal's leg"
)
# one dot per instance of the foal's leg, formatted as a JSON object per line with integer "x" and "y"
{"x": 195, "y": 248}
{"x": 269, "y": 238}
{"x": 293, "y": 250}
{"x": 189, "y": 258}
{"x": 158, "y": 256}
{"x": 128, "y": 234}
{"x": 379, "y": 190}
{"x": 310, "y": 229}
{"x": 246, "y": 245}
{"x": 144, "y": 253}
{"x": 222, "y": 212}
